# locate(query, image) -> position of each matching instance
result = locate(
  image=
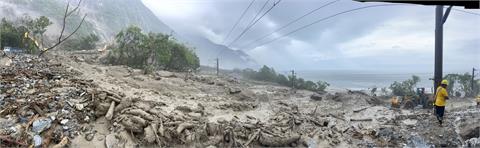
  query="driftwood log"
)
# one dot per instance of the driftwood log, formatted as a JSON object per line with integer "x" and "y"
{"x": 109, "y": 114}
{"x": 277, "y": 141}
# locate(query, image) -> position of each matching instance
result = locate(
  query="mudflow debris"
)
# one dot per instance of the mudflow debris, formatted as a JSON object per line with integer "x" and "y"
{"x": 57, "y": 101}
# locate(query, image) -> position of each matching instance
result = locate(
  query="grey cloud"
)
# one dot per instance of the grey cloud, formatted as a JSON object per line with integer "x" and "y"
{"x": 325, "y": 37}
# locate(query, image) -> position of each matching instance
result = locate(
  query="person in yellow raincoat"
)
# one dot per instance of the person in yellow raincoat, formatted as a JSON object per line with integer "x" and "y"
{"x": 440, "y": 98}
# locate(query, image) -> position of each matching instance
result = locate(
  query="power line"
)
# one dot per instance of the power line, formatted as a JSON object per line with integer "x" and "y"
{"x": 256, "y": 21}
{"x": 238, "y": 21}
{"x": 473, "y": 13}
{"x": 258, "y": 13}
{"x": 249, "y": 24}
{"x": 323, "y": 19}
{"x": 290, "y": 23}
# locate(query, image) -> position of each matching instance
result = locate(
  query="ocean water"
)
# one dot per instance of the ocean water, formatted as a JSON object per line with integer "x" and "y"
{"x": 359, "y": 80}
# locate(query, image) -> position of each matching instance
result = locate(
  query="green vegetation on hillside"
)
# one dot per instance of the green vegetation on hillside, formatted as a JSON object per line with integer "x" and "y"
{"x": 405, "y": 88}
{"x": 465, "y": 85}
{"x": 458, "y": 84}
{"x": 10, "y": 35}
{"x": 83, "y": 43}
{"x": 14, "y": 35}
{"x": 151, "y": 51}
{"x": 268, "y": 74}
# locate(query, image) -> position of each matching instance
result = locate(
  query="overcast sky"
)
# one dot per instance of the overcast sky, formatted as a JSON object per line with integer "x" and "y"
{"x": 390, "y": 38}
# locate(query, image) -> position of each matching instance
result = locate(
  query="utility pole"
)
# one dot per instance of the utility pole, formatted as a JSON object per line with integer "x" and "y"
{"x": 293, "y": 79}
{"x": 217, "y": 67}
{"x": 473, "y": 81}
{"x": 440, "y": 19}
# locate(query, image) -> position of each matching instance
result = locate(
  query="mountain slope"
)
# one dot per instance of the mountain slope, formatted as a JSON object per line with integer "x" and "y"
{"x": 107, "y": 17}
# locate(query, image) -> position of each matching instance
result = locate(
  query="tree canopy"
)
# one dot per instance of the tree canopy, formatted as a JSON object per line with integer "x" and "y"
{"x": 405, "y": 88}
{"x": 268, "y": 74}
{"x": 153, "y": 50}
{"x": 13, "y": 35}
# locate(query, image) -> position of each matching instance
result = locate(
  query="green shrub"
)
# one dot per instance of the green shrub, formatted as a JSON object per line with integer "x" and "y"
{"x": 83, "y": 43}
{"x": 10, "y": 35}
{"x": 322, "y": 85}
{"x": 139, "y": 50}
{"x": 406, "y": 87}
{"x": 464, "y": 82}
{"x": 269, "y": 75}
{"x": 14, "y": 36}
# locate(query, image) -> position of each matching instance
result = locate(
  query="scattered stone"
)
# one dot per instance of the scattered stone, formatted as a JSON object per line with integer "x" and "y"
{"x": 472, "y": 142}
{"x": 185, "y": 109}
{"x": 87, "y": 119}
{"x": 100, "y": 137}
{"x": 138, "y": 78}
{"x": 316, "y": 97}
{"x": 111, "y": 141}
{"x": 64, "y": 121}
{"x": 41, "y": 124}
{"x": 37, "y": 141}
{"x": 234, "y": 90}
{"x": 79, "y": 106}
{"x": 410, "y": 122}
{"x": 220, "y": 84}
{"x": 89, "y": 136}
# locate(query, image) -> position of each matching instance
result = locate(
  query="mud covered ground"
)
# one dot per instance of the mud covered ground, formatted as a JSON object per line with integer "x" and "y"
{"x": 87, "y": 104}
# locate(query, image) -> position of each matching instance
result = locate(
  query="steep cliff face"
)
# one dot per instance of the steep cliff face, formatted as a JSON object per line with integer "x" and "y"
{"x": 107, "y": 17}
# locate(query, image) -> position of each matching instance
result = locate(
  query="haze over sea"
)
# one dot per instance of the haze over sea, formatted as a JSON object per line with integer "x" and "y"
{"x": 360, "y": 80}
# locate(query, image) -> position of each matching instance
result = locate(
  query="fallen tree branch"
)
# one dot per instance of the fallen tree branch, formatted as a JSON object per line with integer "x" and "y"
{"x": 62, "y": 143}
{"x": 64, "y": 24}
{"x": 254, "y": 136}
{"x": 161, "y": 130}
{"x": 7, "y": 139}
{"x": 368, "y": 119}
{"x": 337, "y": 117}
{"x": 48, "y": 137}
{"x": 184, "y": 126}
{"x": 38, "y": 109}
{"x": 359, "y": 110}
{"x": 314, "y": 111}
{"x": 31, "y": 121}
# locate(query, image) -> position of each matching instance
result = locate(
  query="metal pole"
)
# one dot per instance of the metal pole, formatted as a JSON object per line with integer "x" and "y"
{"x": 293, "y": 79}
{"x": 473, "y": 81}
{"x": 438, "y": 46}
{"x": 217, "y": 67}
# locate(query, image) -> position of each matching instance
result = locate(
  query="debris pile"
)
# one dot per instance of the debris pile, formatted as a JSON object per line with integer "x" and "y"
{"x": 44, "y": 103}
{"x": 41, "y": 102}
{"x": 238, "y": 106}
{"x": 152, "y": 126}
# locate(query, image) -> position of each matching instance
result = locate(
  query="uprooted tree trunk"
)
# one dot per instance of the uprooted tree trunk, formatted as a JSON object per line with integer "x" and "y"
{"x": 276, "y": 140}
{"x": 62, "y": 39}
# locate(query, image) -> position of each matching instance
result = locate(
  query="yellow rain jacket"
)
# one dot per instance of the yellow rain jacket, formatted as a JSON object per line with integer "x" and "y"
{"x": 440, "y": 97}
